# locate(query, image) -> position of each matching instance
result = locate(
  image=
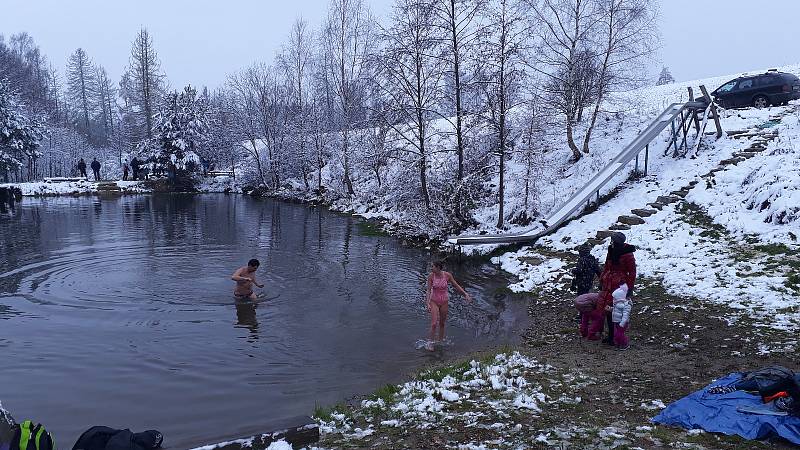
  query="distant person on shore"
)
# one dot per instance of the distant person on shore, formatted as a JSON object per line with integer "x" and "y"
{"x": 82, "y": 168}
{"x": 96, "y": 169}
{"x": 620, "y": 267}
{"x": 135, "y": 168}
{"x": 245, "y": 278}
{"x": 621, "y": 315}
{"x": 125, "y": 171}
{"x": 436, "y": 299}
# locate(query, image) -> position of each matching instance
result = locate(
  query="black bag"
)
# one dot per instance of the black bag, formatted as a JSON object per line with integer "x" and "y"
{"x": 28, "y": 436}
{"x": 105, "y": 438}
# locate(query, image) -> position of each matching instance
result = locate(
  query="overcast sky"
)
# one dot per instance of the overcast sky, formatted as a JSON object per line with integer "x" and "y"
{"x": 202, "y": 41}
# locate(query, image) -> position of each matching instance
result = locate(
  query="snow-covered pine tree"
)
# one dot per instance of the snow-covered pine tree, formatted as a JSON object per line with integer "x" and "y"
{"x": 19, "y": 135}
{"x": 665, "y": 77}
{"x": 180, "y": 130}
{"x": 81, "y": 87}
{"x": 144, "y": 81}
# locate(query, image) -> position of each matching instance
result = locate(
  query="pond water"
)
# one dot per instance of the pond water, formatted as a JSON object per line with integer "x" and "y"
{"x": 120, "y": 312}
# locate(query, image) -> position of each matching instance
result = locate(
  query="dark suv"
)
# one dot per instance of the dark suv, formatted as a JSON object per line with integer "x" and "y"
{"x": 771, "y": 88}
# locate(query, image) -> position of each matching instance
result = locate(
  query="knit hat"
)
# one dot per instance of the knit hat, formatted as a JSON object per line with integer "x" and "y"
{"x": 617, "y": 238}
{"x": 584, "y": 249}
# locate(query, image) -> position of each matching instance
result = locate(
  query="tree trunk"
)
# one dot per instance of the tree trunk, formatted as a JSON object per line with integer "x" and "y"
{"x": 592, "y": 122}
{"x": 457, "y": 80}
{"x": 258, "y": 162}
{"x": 345, "y": 150}
{"x": 576, "y": 152}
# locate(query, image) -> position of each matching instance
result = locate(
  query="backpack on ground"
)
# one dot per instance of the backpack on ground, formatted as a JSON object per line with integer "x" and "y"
{"x": 28, "y": 436}
{"x": 106, "y": 438}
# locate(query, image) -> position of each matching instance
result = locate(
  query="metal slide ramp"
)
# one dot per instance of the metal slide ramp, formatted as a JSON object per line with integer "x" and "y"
{"x": 565, "y": 211}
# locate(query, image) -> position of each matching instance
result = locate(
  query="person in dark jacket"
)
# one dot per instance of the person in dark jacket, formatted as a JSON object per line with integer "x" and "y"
{"x": 585, "y": 270}
{"x": 96, "y": 169}
{"x": 135, "y": 168}
{"x": 620, "y": 267}
{"x": 125, "y": 171}
{"x": 82, "y": 168}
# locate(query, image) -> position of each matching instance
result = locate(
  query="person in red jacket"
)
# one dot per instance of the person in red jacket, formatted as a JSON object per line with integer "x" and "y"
{"x": 620, "y": 267}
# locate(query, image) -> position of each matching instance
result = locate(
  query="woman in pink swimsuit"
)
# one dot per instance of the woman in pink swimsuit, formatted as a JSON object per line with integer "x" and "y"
{"x": 436, "y": 299}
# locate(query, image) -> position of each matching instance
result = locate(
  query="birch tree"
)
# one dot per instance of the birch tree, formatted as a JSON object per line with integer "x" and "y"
{"x": 625, "y": 36}
{"x": 347, "y": 36}
{"x": 502, "y": 56}
{"x": 411, "y": 77}
{"x": 457, "y": 22}
{"x": 564, "y": 58}
{"x": 296, "y": 60}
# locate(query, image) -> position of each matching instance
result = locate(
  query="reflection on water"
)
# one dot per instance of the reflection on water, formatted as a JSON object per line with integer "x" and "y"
{"x": 119, "y": 312}
{"x": 246, "y": 318}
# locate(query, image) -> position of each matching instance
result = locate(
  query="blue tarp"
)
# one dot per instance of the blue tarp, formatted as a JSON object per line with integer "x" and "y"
{"x": 717, "y": 413}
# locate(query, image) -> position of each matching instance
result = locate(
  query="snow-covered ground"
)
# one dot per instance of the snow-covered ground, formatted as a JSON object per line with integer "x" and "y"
{"x": 44, "y": 188}
{"x": 503, "y": 395}
{"x": 732, "y": 241}
{"x": 218, "y": 184}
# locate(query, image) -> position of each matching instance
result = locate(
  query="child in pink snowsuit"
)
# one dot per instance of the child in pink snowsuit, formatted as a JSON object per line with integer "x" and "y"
{"x": 620, "y": 315}
{"x": 592, "y": 321}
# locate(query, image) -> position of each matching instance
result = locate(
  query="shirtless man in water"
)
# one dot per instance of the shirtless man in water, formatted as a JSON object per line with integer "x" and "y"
{"x": 245, "y": 278}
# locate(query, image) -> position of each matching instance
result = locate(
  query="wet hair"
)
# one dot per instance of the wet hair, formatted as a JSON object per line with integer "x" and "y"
{"x": 253, "y": 263}
{"x": 439, "y": 264}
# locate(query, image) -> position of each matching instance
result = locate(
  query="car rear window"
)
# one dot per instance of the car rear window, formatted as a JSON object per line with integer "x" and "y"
{"x": 791, "y": 79}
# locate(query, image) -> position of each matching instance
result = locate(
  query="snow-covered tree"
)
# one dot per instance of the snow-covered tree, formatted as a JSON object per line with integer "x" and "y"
{"x": 180, "y": 130}
{"x": 457, "y": 20}
{"x": 145, "y": 82}
{"x": 347, "y": 37}
{"x": 665, "y": 77}
{"x": 411, "y": 78}
{"x": 81, "y": 87}
{"x": 104, "y": 98}
{"x": 502, "y": 54}
{"x": 19, "y": 135}
{"x": 565, "y": 34}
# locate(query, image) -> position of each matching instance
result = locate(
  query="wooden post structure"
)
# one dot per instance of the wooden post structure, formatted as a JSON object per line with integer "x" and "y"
{"x": 646, "y": 156}
{"x": 695, "y": 119}
{"x": 714, "y": 113}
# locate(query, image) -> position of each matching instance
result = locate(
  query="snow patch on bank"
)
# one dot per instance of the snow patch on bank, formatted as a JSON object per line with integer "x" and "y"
{"x": 497, "y": 394}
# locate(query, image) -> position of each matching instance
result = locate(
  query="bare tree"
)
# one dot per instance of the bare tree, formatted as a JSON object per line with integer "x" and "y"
{"x": 502, "y": 56}
{"x": 626, "y": 30}
{"x": 564, "y": 56}
{"x": 105, "y": 93}
{"x": 347, "y": 36}
{"x": 248, "y": 132}
{"x": 411, "y": 77}
{"x": 457, "y": 20}
{"x": 80, "y": 82}
{"x": 296, "y": 60}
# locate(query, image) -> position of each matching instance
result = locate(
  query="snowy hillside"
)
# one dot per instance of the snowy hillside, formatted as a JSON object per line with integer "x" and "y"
{"x": 721, "y": 228}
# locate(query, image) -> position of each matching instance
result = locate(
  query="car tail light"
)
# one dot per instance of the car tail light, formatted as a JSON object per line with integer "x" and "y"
{"x": 787, "y": 88}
